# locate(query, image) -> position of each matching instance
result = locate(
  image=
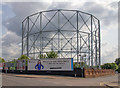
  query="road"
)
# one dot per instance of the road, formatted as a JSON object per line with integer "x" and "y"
{"x": 50, "y": 80}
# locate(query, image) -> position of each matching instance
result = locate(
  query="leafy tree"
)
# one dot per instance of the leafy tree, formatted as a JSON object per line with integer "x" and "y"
{"x": 2, "y": 60}
{"x": 114, "y": 66}
{"x": 106, "y": 66}
{"x": 13, "y": 62}
{"x": 75, "y": 65}
{"x": 22, "y": 57}
{"x": 52, "y": 54}
{"x": 81, "y": 64}
{"x": 109, "y": 66}
{"x": 117, "y": 61}
{"x": 42, "y": 56}
{"x": 119, "y": 68}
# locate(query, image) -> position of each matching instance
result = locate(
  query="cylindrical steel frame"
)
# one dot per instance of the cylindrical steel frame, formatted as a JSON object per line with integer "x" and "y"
{"x": 71, "y": 33}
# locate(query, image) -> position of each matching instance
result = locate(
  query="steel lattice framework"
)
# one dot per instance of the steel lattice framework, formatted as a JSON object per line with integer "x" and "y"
{"x": 71, "y": 33}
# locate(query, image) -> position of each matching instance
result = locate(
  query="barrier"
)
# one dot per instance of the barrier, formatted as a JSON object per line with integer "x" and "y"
{"x": 98, "y": 72}
{"x": 77, "y": 72}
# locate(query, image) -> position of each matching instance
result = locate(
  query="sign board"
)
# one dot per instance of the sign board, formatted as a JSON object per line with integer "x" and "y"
{"x": 7, "y": 65}
{"x": 13, "y": 65}
{"x": 21, "y": 64}
{"x": 61, "y": 64}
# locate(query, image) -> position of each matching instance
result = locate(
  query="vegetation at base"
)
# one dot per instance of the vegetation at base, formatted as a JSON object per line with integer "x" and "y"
{"x": 82, "y": 64}
{"x": 115, "y": 65}
{"x": 2, "y": 60}
{"x": 50, "y": 54}
{"x": 13, "y": 62}
{"x": 109, "y": 66}
{"x": 118, "y": 68}
{"x": 117, "y": 61}
{"x": 42, "y": 56}
{"x": 24, "y": 57}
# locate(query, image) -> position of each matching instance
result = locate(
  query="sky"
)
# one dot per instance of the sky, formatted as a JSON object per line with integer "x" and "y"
{"x": 13, "y": 13}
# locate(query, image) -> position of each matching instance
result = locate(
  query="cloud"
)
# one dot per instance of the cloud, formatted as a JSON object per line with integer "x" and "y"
{"x": 11, "y": 41}
{"x": 22, "y": 10}
{"x": 0, "y": 12}
{"x": 109, "y": 52}
{"x": 10, "y": 38}
{"x": 11, "y": 47}
{"x": 104, "y": 12}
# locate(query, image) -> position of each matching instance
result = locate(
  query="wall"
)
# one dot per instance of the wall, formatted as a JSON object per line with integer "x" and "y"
{"x": 97, "y": 72}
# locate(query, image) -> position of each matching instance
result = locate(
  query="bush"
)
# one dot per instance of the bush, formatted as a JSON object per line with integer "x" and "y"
{"x": 109, "y": 66}
{"x": 74, "y": 65}
{"x": 119, "y": 68}
{"x": 2, "y": 60}
{"x": 117, "y": 61}
{"x": 42, "y": 56}
{"x": 24, "y": 57}
{"x": 51, "y": 54}
{"x": 81, "y": 64}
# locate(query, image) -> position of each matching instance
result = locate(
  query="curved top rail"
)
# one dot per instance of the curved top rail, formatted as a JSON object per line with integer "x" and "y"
{"x": 59, "y": 10}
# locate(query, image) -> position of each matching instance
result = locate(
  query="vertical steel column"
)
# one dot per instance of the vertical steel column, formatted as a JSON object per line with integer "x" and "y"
{"x": 40, "y": 32}
{"x": 99, "y": 44}
{"x": 61, "y": 48}
{"x": 28, "y": 38}
{"x": 34, "y": 45}
{"x": 71, "y": 48}
{"x": 42, "y": 45}
{"x": 22, "y": 38}
{"x": 52, "y": 45}
{"x": 95, "y": 49}
{"x": 89, "y": 49}
{"x": 91, "y": 42}
{"x": 80, "y": 50}
{"x": 58, "y": 34}
{"x": 77, "y": 42}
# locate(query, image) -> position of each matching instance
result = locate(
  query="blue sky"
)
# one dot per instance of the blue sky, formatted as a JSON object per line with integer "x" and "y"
{"x": 105, "y": 11}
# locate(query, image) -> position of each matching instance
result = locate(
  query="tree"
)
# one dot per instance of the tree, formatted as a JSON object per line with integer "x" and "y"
{"x": 52, "y": 54}
{"x": 114, "y": 66}
{"x": 75, "y": 65}
{"x": 2, "y": 60}
{"x": 117, "y": 61}
{"x": 80, "y": 65}
{"x": 42, "y": 56}
{"x": 22, "y": 57}
{"x": 13, "y": 62}
{"x": 119, "y": 68}
{"x": 109, "y": 66}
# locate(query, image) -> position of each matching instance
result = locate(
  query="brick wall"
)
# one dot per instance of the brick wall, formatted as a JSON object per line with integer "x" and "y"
{"x": 97, "y": 72}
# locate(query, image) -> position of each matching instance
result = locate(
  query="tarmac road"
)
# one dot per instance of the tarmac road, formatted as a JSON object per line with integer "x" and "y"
{"x": 50, "y": 80}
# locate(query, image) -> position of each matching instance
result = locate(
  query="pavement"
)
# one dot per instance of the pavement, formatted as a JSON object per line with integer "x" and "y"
{"x": 112, "y": 83}
{"x": 109, "y": 84}
{"x": 54, "y": 80}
